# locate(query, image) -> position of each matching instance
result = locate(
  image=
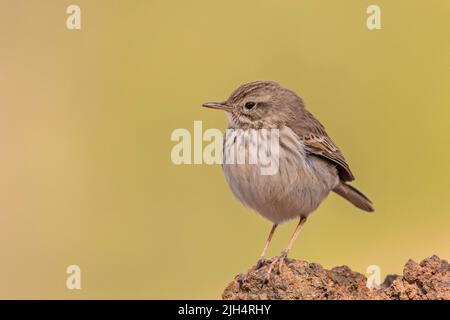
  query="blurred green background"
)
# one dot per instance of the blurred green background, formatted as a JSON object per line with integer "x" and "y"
{"x": 86, "y": 117}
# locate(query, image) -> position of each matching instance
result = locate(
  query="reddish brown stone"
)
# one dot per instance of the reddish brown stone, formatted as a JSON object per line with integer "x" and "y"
{"x": 302, "y": 280}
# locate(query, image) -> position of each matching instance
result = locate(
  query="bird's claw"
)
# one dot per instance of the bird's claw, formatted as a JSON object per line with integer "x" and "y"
{"x": 260, "y": 263}
{"x": 278, "y": 260}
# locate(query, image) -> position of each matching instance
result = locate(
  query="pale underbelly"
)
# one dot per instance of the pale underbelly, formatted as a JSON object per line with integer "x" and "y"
{"x": 298, "y": 186}
{"x": 295, "y": 191}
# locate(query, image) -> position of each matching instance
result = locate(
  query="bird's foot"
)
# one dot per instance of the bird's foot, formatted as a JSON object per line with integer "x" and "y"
{"x": 260, "y": 263}
{"x": 277, "y": 262}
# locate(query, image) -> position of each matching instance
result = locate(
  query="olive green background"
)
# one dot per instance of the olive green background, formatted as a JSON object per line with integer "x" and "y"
{"x": 86, "y": 116}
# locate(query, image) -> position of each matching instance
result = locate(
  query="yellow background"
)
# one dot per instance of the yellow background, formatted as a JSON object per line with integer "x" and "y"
{"x": 86, "y": 116}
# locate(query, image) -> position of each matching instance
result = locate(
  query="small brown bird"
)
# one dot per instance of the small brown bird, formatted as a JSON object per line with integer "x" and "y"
{"x": 310, "y": 165}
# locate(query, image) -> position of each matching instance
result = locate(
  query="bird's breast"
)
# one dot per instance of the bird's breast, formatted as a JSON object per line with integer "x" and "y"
{"x": 272, "y": 174}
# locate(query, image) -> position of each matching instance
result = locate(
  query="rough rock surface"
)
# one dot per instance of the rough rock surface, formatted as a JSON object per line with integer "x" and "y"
{"x": 429, "y": 279}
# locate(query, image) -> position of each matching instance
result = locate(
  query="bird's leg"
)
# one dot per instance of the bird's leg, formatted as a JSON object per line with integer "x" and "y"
{"x": 261, "y": 259}
{"x": 294, "y": 236}
{"x": 280, "y": 259}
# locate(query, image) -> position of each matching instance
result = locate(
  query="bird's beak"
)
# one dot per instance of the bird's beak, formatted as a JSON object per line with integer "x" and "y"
{"x": 217, "y": 105}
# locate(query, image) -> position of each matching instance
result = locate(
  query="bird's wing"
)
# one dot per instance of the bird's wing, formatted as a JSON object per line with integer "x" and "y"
{"x": 318, "y": 143}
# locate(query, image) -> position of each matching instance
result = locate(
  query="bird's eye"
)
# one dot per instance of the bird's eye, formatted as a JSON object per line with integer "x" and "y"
{"x": 249, "y": 105}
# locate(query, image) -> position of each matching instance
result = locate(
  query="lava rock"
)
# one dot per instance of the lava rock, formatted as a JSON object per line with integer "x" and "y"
{"x": 427, "y": 280}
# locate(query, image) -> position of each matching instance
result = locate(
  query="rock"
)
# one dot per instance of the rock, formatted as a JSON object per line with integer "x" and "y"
{"x": 430, "y": 279}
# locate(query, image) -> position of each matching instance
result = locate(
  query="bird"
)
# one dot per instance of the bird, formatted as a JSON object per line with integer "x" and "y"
{"x": 310, "y": 165}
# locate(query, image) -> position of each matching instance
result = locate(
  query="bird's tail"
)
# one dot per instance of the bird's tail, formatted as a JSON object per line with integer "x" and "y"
{"x": 354, "y": 196}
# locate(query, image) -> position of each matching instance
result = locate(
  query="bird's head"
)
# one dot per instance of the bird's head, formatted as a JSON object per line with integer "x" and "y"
{"x": 259, "y": 104}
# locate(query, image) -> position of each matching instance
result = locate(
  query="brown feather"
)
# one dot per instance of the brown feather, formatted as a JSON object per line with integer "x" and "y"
{"x": 317, "y": 141}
